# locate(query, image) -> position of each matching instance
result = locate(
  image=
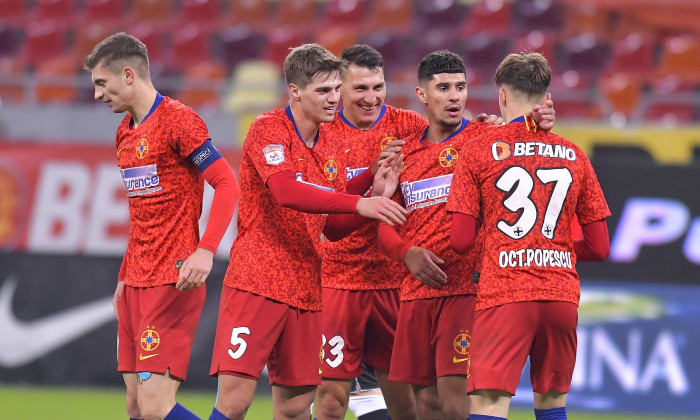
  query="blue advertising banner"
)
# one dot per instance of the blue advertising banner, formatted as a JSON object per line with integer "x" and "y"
{"x": 637, "y": 350}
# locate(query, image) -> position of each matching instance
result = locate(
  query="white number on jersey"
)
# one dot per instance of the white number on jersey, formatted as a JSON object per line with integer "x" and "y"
{"x": 337, "y": 343}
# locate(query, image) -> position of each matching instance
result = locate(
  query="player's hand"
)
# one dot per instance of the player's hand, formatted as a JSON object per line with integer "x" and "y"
{"x": 491, "y": 119}
{"x": 195, "y": 269}
{"x": 386, "y": 180}
{"x": 393, "y": 147}
{"x": 544, "y": 115}
{"x": 382, "y": 209}
{"x": 423, "y": 264}
{"x": 117, "y": 298}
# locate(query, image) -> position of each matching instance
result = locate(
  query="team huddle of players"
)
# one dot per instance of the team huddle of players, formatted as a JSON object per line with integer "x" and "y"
{"x": 448, "y": 254}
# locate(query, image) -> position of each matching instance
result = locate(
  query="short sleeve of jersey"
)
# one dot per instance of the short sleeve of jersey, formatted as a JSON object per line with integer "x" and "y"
{"x": 268, "y": 144}
{"x": 191, "y": 131}
{"x": 591, "y": 205}
{"x": 464, "y": 192}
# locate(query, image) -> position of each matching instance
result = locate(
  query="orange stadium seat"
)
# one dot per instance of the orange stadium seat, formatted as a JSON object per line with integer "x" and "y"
{"x": 87, "y": 38}
{"x": 61, "y": 12}
{"x": 584, "y": 17}
{"x": 396, "y": 15}
{"x": 239, "y": 43}
{"x": 202, "y": 85}
{"x": 681, "y": 56}
{"x": 488, "y": 17}
{"x": 12, "y": 80}
{"x": 56, "y": 80}
{"x": 106, "y": 12}
{"x": 622, "y": 92}
{"x": 153, "y": 12}
{"x": 439, "y": 13}
{"x": 336, "y": 38}
{"x": 296, "y": 13}
{"x": 250, "y": 12}
{"x": 343, "y": 12}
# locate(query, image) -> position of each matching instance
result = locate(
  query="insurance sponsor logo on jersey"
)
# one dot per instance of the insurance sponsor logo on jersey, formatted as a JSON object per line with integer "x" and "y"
{"x": 351, "y": 173}
{"x": 300, "y": 178}
{"x": 141, "y": 180}
{"x": 426, "y": 192}
{"x": 274, "y": 154}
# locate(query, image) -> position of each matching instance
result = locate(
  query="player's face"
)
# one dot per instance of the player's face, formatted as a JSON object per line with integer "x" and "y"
{"x": 445, "y": 96}
{"x": 364, "y": 91}
{"x": 320, "y": 98}
{"x": 110, "y": 88}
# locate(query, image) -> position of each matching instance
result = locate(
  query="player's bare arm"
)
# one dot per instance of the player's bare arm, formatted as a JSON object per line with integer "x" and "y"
{"x": 195, "y": 269}
{"x": 117, "y": 298}
{"x": 386, "y": 180}
{"x": 382, "y": 209}
{"x": 423, "y": 264}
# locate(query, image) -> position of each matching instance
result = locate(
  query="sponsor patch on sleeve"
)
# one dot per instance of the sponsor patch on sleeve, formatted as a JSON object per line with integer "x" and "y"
{"x": 274, "y": 154}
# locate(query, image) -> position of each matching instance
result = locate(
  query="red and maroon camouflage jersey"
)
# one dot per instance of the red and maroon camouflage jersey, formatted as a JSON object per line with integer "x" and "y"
{"x": 274, "y": 254}
{"x": 526, "y": 185}
{"x": 355, "y": 262}
{"x": 424, "y": 188}
{"x": 164, "y": 190}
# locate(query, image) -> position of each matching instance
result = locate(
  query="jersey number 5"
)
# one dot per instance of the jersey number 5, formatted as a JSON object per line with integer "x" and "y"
{"x": 518, "y": 183}
{"x": 236, "y": 340}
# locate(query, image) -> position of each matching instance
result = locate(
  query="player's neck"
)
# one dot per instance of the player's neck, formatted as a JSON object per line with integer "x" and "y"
{"x": 306, "y": 127}
{"x": 438, "y": 132}
{"x": 516, "y": 110}
{"x": 142, "y": 103}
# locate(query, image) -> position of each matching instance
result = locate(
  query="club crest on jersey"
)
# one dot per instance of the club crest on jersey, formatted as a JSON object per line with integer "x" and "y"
{"x": 500, "y": 150}
{"x": 142, "y": 148}
{"x": 385, "y": 142}
{"x": 448, "y": 157}
{"x": 274, "y": 154}
{"x": 150, "y": 339}
{"x": 462, "y": 342}
{"x": 330, "y": 169}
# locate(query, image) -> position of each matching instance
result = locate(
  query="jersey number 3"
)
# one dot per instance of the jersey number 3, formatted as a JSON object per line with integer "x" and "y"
{"x": 518, "y": 183}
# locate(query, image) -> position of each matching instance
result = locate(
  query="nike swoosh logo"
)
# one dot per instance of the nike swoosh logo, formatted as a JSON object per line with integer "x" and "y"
{"x": 119, "y": 151}
{"x": 456, "y": 360}
{"x": 142, "y": 357}
{"x": 26, "y": 341}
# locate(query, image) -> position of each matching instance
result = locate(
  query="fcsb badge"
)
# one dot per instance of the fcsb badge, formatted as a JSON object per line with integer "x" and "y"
{"x": 150, "y": 340}
{"x": 330, "y": 169}
{"x": 142, "y": 148}
{"x": 448, "y": 157}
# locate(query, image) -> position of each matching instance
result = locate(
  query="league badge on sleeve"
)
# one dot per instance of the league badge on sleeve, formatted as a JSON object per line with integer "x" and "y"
{"x": 274, "y": 154}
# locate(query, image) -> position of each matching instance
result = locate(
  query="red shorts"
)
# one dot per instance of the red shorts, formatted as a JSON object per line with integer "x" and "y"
{"x": 433, "y": 339}
{"x": 157, "y": 327}
{"x": 504, "y": 336}
{"x": 253, "y": 331}
{"x": 358, "y": 323}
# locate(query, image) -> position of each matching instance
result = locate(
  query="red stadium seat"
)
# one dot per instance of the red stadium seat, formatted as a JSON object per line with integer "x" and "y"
{"x": 585, "y": 53}
{"x": 488, "y": 17}
{"x": 394, "y": 47}
{"x": 203, "y": 12}
{"x": 87, "y": 38}
{"x": 536, "y": 41}
{"x": 10, "y": 39}
{"x": 249, "y": 12}
{"x": 483, "y": 53}
{"x": 61, "y": 12}
{"x": 671, "y": 101}
{"x": 203, "y": 85}
{"x": 432, "y": 40}
{"x": 109, "y": 13}
{"x": 633, "y": 54}
{"x": 13, "y": 12}
{"x": 189, "y": 46}
{"x": 56, "y": 80}
{"x": 395, "y": 15}
{"x": 153, "y": 38}
{"x": 239, "y": 43}
{"x": 439, "y": 13}
{"x": 12, "y": 81}
{"x": 44, "y": 40}
{"x": 279, "y": 41}
{"x": 343, "y": 12}
{"x": 295, "y": 13}
{"x": 539, "y": 15}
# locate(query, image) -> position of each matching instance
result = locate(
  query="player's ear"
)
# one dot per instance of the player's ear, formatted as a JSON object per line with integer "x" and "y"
{"x": 420, "y": 93}
{"x": 293, "y": 91}
{"x": 128, "y": 74}
{"x": 502, "y": 97}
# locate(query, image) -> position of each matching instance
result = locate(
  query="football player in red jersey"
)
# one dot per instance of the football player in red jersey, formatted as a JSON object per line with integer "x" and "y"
{"x": 270, "y": 311}
{"x": 524, "y": 186}
{"x": 165, "y": 155}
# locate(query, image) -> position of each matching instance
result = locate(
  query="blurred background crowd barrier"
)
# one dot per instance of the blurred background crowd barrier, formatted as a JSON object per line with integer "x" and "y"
{"x": 626, "y": 89}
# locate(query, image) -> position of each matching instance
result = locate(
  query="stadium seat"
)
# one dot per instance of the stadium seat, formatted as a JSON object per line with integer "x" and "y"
{"x": 432, "y": 40}
{"x": 343, "y": 12}
{"x": 157, "y": 13}
{"x": 483, "y": 53}
{"x": 585, "y": 53}
{"x": 206, "y": 13}
{"x": 56, "y": 80}
{"x": 61, "y": 12}
{"x": 249, "y": 12}
{"x": 203, "y": 85}
{"x": 584, "y": 17}
{"x": 153, "y": 38}
{"x": 539, "y": 15}
{"x": 240, "y": 42}
{"x": 574, "y": 96}
{"x": 671, "y": 101}
{"x": 394, "y": 15}
{"x": 336, "y": 38}
{"x": 681, "y": 56}
{"x": 633, "y": 54}
{"x": 394, "y": 47}
{"x": 109, "y": 13}
{"x": 87, "y": 38}
{"x": 439, "y": 13}
{"x": 295, "y": 13}
{"x": 13, "y": 12}
{"x": 622, "y": 93}
{"x": 279, "y": 41}
{"x": 10, "y": 39}
{"x": 12, "y": 80}
{"x": 43, "y": 40}
{"x": 189, "y": 46}
{"x": 536, "y": 41}
{"x": 488, "y": 17}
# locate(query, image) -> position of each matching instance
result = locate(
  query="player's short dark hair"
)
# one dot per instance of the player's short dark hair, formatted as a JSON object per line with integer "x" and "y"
{"x": 305, "y": 62}
{"x": 117, "y": 51}
{"x": 438, "y": 62}
{"x": 364, "y": 56}
{"x": 528, "y": 73}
